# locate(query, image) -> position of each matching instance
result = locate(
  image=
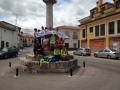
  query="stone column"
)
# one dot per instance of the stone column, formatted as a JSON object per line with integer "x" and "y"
{"x": 49, "y": 15}
{"x": 49, "y": 12}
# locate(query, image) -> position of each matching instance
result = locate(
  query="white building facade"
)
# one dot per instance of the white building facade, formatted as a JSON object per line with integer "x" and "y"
{"x": 73, "y": 32}
{"x": 9, "y": 35}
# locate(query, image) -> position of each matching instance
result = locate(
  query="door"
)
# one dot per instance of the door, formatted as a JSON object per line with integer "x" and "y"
{"x": 106, "y": 53}
{"x": 100, "y": 53}
{"x": 77, "y": 50}
{"x": 10, "y": 52}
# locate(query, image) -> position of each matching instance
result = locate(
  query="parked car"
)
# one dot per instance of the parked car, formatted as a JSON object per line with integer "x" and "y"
{"x": 82, "y": 51}
{"x": 107, "y": 53}
{"x": 27, "y": 45}
{"x": 8, "y": 52}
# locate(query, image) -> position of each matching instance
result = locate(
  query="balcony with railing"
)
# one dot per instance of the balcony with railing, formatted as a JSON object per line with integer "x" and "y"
{"x": 109, "y": 10}
{"x": 96, "y": 14}
{"x": 84, "y": 19}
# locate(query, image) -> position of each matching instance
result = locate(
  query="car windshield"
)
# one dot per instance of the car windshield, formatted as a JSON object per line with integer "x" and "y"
{"x": 113, "y": 50}
{"x": 5, "y": 49}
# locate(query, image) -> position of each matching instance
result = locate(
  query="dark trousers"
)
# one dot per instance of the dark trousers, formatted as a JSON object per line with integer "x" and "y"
{"x": 39, "y": 39}
{"x": 34, "y": 40}
{"x": 57, "y": 57}
{"x": 38, "y": 52}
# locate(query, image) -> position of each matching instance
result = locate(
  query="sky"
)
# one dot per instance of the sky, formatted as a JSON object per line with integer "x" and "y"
{"x": 32, "y": 13}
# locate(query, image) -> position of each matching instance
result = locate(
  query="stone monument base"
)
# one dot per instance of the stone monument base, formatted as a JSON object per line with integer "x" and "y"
{"x": 30, "y": 64}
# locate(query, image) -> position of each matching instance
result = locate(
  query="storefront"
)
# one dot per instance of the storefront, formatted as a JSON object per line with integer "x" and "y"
{"x": 97, "y": 44}
{"x": 84, "y": 44}
{"x": 113, "y": 41}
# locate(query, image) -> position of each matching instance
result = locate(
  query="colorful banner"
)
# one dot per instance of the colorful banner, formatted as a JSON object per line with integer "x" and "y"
{"x": 47, "y": 32}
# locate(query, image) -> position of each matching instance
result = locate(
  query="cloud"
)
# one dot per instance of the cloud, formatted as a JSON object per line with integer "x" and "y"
{"x": 32, "y": 13}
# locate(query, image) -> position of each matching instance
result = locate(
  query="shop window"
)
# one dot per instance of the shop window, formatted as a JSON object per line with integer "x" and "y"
{"x": 97, "y": 31}
{"x": 111, "y": 28}
{"x": 118, "y": 4}
{"x": 83, "y": 33}
{"x": 118, "y": 24}
{"x": 102, "y": 26}
{"x": 91, "y": 30}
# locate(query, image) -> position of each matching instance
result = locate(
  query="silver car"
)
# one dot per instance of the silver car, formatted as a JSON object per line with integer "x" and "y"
{"x": 82, "y": 51}
{"x": 107, "y": 53}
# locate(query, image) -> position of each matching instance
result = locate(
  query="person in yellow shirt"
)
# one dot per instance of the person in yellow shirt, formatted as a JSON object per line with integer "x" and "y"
{"x": 64, "y": 53}
{"x": 57, "y": 53}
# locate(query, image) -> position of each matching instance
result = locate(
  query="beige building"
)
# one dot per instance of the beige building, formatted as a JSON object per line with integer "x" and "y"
{"x": 26, "y": 39}
{"x": 101, "y": 29}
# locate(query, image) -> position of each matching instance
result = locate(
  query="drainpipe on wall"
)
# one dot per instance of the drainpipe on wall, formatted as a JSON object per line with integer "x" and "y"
{"x": 1, "y": 37}
{"x": 86, "y": 34}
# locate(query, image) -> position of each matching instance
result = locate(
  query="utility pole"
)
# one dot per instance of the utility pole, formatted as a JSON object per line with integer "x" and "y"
{"x": 16, "y": 17}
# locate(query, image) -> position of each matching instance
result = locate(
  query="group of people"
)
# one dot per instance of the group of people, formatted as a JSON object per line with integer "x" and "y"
{"x": 50, "y": 42}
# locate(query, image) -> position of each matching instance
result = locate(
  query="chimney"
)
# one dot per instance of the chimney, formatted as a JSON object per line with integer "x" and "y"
{"x": 99, "y": 3}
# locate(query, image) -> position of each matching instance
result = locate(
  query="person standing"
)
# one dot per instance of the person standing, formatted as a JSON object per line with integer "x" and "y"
{"x": 39, "y": 38}
{"x": 42, "y": 37}
{"x": 35, "y": 32}
{"x": 38, "y": 48}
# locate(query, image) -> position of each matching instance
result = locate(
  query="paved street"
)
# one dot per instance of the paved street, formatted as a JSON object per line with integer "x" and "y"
{"x": 99, "y": 74}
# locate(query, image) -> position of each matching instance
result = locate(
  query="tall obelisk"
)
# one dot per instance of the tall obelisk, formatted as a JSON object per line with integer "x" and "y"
{"x": 49, "y": 12}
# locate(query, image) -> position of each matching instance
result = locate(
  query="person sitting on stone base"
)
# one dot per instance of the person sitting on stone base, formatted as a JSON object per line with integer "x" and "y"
{"x": 38, "y": 49}
{"x": 57, "y": 53}
{"x": 64, "y": 54}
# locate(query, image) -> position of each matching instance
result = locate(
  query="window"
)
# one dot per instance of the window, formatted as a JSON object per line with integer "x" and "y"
{"x": 96, "y": 30}
{"x": 118, "y": 4}
{"x": 92, "y": 13}
{"x": 91, "y": 30}
{"x": 75, "y": 45}
{"x": 102, "y": 26}
{"x": 2, "y": 44}
{"x": 66, "y": 32}
{"x": 83, "y": 33}
{"x": 118, "y": 24}
{"x": 74, "y": 33}
{"x": 7, "y": 44}
{"x": 102, "y": 10}
{"x": 4, "y": 30}
{"x": 106, "y": 50}
{"x": 67, "y": 45}
{"x": 101, "y": 51}
{"x": 111, "y": 28}
{"x": 75, "y": 36}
